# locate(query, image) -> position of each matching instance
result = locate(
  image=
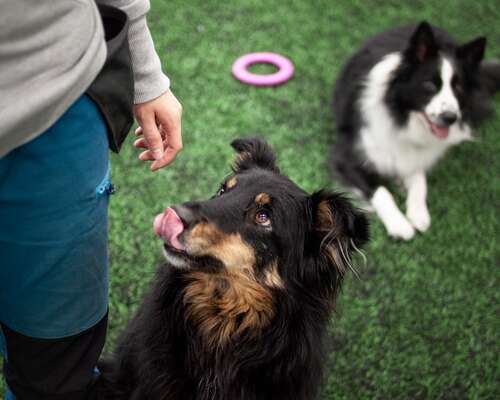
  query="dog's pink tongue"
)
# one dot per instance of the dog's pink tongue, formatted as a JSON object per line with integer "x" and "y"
{"x": 169, "y": 226}
{"x": 440, "y": 132}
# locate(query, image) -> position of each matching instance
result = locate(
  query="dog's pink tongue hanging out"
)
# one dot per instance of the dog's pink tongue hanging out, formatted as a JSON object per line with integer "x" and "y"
{"x": 169, "y": 226}
{"x": 440, "y": 132}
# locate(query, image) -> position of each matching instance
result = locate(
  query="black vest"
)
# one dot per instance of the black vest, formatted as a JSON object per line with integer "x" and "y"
{"x": 113, "y": 88}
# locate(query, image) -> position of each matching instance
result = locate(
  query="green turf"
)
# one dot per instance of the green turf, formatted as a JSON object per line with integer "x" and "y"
{"x": 423, "y": 320}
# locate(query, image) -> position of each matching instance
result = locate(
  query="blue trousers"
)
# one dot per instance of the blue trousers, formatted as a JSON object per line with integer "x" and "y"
{"x": 53, "y": 234}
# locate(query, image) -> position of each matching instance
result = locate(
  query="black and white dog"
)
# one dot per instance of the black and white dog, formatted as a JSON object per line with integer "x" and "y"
{"x": 400, "y": 102}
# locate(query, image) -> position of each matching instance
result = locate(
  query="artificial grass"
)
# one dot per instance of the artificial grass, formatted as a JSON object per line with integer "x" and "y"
{"x": 423, "y": 320}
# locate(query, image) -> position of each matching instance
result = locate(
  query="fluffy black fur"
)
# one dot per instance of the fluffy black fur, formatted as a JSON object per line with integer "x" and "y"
{"x": 421, "y": 45}
{"x": 163, "y": 355}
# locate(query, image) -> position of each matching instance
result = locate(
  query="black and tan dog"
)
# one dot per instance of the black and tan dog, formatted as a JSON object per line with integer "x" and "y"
{"x": 241, "y": 308}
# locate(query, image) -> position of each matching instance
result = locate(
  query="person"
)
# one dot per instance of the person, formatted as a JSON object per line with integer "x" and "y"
{"x": 57, "y": 119}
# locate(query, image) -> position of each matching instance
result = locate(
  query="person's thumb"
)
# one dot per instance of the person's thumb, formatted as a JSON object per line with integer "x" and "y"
{"x": 153, "y": 137}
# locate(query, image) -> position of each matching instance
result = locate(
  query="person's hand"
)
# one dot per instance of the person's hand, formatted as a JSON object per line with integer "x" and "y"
{"x": 159, "y": 129}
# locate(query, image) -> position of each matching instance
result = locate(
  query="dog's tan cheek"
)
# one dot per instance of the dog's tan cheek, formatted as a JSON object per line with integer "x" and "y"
{"x": 235, "y": 254}
{"x": 230, "y": 249}
{"x": 201, "y": 238}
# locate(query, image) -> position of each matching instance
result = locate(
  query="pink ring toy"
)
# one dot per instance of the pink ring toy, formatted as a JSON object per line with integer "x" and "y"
{"x": 284, "y": 73}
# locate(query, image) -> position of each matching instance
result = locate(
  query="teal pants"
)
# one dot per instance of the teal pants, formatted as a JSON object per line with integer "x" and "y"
{"x": 53, "y": 230}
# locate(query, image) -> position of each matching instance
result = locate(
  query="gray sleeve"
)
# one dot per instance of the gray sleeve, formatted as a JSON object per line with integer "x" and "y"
{"x": 149, "y": 80}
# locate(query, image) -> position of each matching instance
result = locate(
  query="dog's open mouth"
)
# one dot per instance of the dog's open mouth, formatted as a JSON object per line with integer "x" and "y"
{"x": 441, "y": 132}
{"x": 169, "y": 227}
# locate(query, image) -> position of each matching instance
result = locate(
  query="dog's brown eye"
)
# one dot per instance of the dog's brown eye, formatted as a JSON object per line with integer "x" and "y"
{"x": 262, "y": 218}
{"x": 221, "y": 191}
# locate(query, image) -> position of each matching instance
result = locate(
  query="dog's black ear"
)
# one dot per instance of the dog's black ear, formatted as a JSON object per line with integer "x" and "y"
{"x": 253, "y": 152}
{"x": 338, "y": 227}
{"x": 472, "y": 52}
{"x": 422, "y": 45}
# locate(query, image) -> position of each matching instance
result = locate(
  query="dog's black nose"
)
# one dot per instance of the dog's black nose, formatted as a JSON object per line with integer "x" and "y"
{"x": 186, "y": 215}
{"x": 448, "y": 117}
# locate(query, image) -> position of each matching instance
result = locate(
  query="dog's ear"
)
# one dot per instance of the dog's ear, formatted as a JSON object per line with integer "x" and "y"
{"x": 253, "y": 152}
{"x": 472, "y": 52}
{"x": 422, "y": 45}
{"x": 338, "y": 227}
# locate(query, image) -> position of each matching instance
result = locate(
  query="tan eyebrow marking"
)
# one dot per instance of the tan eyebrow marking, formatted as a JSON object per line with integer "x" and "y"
{"x": 231, "y": 182}
{"x": 262, "y": 198}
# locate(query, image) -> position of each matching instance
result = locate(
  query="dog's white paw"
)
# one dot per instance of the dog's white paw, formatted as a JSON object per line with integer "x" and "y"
{"x": 393, "y": 219}
{"x": 419, "y": 218}
{"x": 401, "y": 229}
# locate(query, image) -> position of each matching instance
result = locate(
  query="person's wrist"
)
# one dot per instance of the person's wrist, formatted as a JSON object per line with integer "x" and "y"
{"x": 157, "y": 85}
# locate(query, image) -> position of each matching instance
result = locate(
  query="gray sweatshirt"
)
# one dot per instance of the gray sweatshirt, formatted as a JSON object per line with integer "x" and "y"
{"x": 51, "y": 51}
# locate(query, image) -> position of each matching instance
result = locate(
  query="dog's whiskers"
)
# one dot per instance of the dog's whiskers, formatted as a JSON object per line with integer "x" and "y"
{"x": 347, "y": 259}
{"x": 360, "y": 252}
{"x": 326, "y": 238}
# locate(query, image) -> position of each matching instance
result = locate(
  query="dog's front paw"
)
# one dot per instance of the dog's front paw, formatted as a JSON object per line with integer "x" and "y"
{"x": 401, "y": 229}
{"x": 419, "y": 218}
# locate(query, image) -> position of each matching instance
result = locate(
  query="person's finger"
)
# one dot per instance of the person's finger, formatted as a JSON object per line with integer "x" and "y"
{"x": 175, "y": 138}
{"x": 141, "y": 143}
{"x": 161, "y": 129}
{"x": 146, "y": 156}
{"x": 168, "y": 157}
{"x": 171, "y": 127}
{"x": 173, "y": 145}
{"x": 152, "y": 136}
{"x": 138, "y": 131}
